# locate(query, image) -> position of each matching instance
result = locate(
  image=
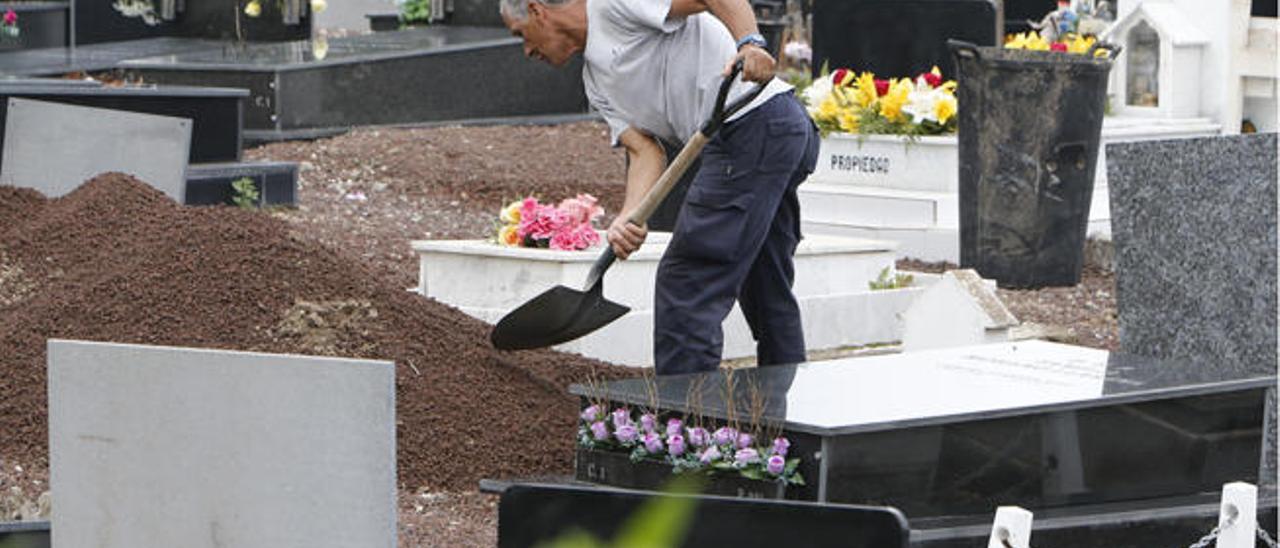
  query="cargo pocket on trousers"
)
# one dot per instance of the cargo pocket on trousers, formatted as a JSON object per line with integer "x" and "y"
{"x": 784, "y": 144}
{"x": 711, "y": 226}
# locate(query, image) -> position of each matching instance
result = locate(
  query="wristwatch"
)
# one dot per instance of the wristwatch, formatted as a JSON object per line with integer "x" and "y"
{"x": 753, "y": 39}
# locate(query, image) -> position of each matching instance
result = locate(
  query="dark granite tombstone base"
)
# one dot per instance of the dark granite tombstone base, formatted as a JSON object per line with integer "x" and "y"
{"x": 532, "y": 515}
{"x": 1164, "y": 522}
{"x": 210, "y": 184}
{"x": 215, "y": 113}
{"x": 25, "y": 534}
{"x": 401, "y": 77}
{"x": 959, "y": 432}
{"x": 616, "y": 469}
{"x": 381, "y": 22}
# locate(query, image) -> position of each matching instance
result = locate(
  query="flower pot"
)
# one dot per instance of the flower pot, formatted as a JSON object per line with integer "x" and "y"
{"x": 1029, "y": 128}
{"x": 616, "y": 469}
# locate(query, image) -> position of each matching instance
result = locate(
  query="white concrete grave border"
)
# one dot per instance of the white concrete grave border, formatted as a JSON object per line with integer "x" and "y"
{"x": 838, "y": 309}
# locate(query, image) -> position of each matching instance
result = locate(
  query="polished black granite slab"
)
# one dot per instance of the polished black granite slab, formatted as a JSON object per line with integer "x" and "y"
{"x": 211, "y": 184}
{"x": 88, "y": 58}
{"x": 25, "y": 534}
{"x": 879, "y": 393}
{"x": 397, "y": 77}
{"x": 308, "y": 54}
{"x": 960, "y": 431}
{"x": 898, "y": 38}
{"x": 533, "y": 515}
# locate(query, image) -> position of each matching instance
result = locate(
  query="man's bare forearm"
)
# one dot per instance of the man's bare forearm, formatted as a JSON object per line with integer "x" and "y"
{"x": 647, "y": 160}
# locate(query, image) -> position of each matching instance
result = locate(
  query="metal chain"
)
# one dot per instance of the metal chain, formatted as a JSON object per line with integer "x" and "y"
{"x": 1204, "y": 541}
{"x": 1213, "y": 535}
{"x": 1266, "y": 538}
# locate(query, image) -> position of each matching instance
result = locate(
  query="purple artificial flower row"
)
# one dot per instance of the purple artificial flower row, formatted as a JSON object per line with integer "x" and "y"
{"x": 707, "y": 448}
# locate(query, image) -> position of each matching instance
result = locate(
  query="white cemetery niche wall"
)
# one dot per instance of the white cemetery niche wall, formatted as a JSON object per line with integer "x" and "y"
{"x": 1217, "y": 47}
{"x": 1159, "y": 72}
{"x": 1253, "y": 67}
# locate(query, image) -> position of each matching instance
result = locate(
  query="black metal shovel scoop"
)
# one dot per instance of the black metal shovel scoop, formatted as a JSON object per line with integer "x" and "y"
{"x": 562, "y": 314}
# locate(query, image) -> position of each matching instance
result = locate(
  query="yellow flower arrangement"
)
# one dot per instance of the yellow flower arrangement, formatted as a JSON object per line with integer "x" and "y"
{"x": 896, "y": 98}
{"x": 849, "y": 102}
{"x": 1070, "y": 43}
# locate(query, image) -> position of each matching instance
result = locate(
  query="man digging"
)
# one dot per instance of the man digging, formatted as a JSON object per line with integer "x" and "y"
{"x": 652, "y": 69}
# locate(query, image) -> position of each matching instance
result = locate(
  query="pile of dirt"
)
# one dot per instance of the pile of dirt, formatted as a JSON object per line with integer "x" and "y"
{"x": 118, "y": 261}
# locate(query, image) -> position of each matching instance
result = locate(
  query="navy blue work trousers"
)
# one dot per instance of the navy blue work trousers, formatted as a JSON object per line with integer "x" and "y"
{"x": 735, "y": 238}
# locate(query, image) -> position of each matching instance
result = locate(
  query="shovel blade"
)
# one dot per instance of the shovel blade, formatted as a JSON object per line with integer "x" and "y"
{"x": 558, "y": 315}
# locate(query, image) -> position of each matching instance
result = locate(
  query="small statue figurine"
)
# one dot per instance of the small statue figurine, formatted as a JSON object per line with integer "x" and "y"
{"x": 1095, "y": 18}
{"x": 1057, "y": 23}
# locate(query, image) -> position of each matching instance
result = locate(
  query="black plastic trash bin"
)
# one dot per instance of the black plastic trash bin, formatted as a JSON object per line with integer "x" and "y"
{"x": 1029, "y": 127}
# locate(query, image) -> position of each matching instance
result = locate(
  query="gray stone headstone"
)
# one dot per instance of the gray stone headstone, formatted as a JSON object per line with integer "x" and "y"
{"x": 54, "y": 148}
{"x": 1194, "y": 224}
{"x": 158, "y": 446}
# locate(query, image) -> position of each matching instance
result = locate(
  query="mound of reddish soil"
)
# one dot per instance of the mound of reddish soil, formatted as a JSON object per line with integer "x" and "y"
{"x": 118, "y": 261}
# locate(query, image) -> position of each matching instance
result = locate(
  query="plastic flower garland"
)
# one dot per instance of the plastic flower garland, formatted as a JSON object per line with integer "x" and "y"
{"x": 687, "y": 448}
{"x": 861, "y": 103}
{"x": 1068, "y": 43}
{"x": 566, "y": 227}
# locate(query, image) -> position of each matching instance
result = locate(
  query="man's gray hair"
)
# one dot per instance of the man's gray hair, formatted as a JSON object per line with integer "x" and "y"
{"x": 518, "y": 10}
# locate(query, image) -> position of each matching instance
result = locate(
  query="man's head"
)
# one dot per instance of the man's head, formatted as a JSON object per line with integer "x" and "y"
{"x": 553, "y": 30}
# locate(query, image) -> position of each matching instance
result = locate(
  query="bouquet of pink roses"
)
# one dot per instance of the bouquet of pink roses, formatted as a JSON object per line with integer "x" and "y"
{"x": 565, "y": 227}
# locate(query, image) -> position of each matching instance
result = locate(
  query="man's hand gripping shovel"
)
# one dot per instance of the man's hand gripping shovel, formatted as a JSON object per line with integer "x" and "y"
{"x": 562, "y": 314}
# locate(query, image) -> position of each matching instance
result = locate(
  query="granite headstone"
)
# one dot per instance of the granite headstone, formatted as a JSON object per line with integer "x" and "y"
{"x": 159, "y": 446}
{"x": 1194, "y": 225}
{"x": 897, "y": 38}
{"x": 54, "y": 148}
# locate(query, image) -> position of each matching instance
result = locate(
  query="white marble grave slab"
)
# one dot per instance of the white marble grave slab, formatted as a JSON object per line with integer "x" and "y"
{"x": 54, "y": 148}
{"x": 161, "y": 446}
{"x": 876, "y": 390}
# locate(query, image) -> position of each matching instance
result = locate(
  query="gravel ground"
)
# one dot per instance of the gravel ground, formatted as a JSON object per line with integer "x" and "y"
{"x": 445, "y": 183}
{"x": 371, "y": 191}
{"x": 367, "y": 193}
{"x": 1084, "y": 314}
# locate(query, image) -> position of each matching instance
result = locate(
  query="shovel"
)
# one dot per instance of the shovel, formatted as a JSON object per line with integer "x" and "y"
{"x": 562, "y": 314}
